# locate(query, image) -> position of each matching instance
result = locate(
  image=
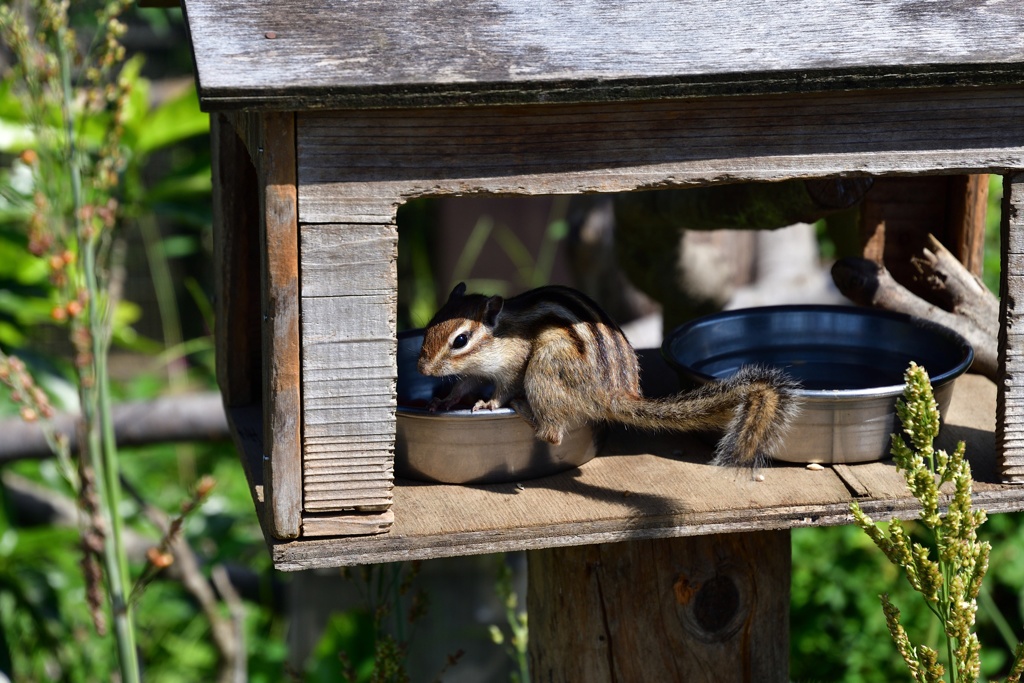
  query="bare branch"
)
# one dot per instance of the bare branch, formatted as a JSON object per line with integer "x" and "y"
{"x": 975, "y": 310}
{"x": 190, "y": 417}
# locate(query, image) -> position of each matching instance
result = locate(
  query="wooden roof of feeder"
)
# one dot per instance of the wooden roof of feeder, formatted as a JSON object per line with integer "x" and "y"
{"x": 366, "y": 53}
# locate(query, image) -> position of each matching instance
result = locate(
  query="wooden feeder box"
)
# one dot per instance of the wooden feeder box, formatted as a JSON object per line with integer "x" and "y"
{"x": 327, "y": 117}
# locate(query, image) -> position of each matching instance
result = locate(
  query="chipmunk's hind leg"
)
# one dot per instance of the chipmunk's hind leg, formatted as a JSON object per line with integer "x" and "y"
{"x": 545, "y": 431}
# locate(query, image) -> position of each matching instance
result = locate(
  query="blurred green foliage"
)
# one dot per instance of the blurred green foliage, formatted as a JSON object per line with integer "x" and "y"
{"x": 46, "y": 630}
{"x": 992, "y": 263}
{"x": 838, "y": 631}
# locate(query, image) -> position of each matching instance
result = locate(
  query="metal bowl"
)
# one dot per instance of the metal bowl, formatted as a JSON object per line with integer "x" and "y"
{"x": 849, "y": 360}
{"x": 463, "y": 447}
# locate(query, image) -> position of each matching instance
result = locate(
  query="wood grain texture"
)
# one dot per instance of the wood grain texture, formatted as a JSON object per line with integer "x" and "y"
{"x": 246, "y": 429}
{"x": 300, "y": 55}
{"x": 356, "y": 524}
{"x": 282, "y": 403}
{"x": 1010, "y": 416}
{"x": 356, "y": 166}
{"x": 349, "y": 284}
{"x": 711, "y": 609}
{"x": 967, "y": 210}
{"x": 899, "y": 214}
{"x": 653, "y": 486}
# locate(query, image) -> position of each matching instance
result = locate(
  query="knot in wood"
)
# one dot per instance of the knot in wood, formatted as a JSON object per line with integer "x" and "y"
{"x": 716, "y": 604}
{"x": 712, "y": 609}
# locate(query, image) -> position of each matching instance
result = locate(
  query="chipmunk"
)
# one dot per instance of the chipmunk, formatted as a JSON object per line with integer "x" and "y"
{"x": 560, "y": 361}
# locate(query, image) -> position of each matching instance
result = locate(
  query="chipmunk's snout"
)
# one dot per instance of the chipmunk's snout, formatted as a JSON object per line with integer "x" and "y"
{"x": 424, "y": 365}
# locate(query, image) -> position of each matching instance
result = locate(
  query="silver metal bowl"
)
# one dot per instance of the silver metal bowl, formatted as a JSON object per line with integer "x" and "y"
{"x": 850, "y": 362}
{"x": 463, "y": 447}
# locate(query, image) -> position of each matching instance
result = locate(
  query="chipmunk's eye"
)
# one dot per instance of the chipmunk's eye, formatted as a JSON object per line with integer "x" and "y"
{"x": 460, "y": 341}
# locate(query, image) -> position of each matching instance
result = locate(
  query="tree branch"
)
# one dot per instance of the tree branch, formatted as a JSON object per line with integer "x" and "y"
{"x": 189, "y": 417}
{"x": 966, "y": 307}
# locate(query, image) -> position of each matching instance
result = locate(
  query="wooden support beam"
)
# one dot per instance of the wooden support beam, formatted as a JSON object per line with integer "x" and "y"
{"x": 274, "y": 153}
{"x": 704, "y": 608}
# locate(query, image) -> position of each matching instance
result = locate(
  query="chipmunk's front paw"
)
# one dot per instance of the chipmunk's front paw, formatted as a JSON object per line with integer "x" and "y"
{"x": 441, "y": 404}
{"x": 490, "y": 404}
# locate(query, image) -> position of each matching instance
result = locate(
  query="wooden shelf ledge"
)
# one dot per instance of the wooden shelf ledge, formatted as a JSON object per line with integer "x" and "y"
{"x": 653, "y": 487}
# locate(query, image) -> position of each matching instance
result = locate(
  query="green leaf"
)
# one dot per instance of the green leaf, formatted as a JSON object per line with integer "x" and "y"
{"x": 177, "y": 246}
{"x": 175, "y": 120}
{"x": 25, "y": 310}
{"x": 17, "y": 264}
{"x": 11, "y": 336}
{"x": 15, "y": 136}
{"x": 174, "y": 188}
{"x": 137, "y": 107}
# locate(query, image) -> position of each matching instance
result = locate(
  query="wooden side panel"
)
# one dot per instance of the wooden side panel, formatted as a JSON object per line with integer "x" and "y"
{"x": 1010, "y": 403}
{"x": 349, "y": 285}
{"x": 282, "y": 475}
{"x": 353, "y": 163}
{"x": 236, "y": 275}
{"x": 704, "y": 609}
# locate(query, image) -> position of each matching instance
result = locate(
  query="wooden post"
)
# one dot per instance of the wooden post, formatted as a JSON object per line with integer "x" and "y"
{"x": 700, "y": 608}
{"x": 968, "y": 204}
{"x": 274, "y": 152}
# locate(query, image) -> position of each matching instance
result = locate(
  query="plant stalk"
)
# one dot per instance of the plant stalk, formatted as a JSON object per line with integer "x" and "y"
{"x": 96, "y": 407}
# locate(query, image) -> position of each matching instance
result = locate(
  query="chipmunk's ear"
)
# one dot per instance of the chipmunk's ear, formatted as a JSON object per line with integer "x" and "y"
{"x": 491, "y": 310}
{"x": 457, "y": 293}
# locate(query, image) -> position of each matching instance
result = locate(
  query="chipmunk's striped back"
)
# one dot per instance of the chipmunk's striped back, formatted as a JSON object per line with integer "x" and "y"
{"x": 559, "y": 315}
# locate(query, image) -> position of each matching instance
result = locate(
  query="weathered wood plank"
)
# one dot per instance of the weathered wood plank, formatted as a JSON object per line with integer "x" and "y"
{"x": 246, "y": 424}
{"x": 325, "y": 448}
{"x": 859, "y": 486}
{"x": 368, "y": 252}
{"x": 719, "y": 606}
{"x": 347, "y": 525}
{"x": 1010, "y": 411}
{"x": 349, "y": 369}
{"x": 356, "y": 165}
{"x": 898, "y": 215}
{"x": 363, "y": 53}
{"x": 279, "y": 252}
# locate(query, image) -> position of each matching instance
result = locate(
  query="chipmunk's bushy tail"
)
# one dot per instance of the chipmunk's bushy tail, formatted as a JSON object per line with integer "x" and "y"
{"x": 754, "y": 408}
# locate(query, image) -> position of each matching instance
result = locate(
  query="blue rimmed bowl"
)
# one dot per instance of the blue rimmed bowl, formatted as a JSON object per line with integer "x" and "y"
{"x": 850, "y": 362}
